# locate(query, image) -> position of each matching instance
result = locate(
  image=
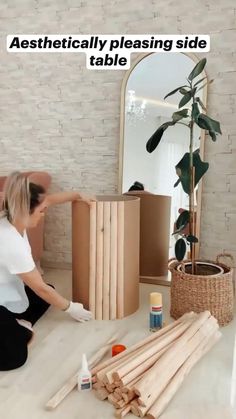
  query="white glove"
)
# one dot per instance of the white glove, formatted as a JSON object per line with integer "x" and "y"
{"x": 77, "y": 312}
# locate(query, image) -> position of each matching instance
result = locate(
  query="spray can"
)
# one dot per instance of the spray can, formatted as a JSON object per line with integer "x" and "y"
{"x": 155, "y": 311}
{"x": 84, "y": 376}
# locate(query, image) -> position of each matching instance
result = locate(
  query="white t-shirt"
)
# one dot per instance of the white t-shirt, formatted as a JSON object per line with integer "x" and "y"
{"x": 15, "y": 258}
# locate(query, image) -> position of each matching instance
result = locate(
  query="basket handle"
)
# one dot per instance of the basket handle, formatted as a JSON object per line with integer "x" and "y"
{"x": 182, "y": 266}
{"x": 228, "y": 255}
{"x": 170, "y": 262}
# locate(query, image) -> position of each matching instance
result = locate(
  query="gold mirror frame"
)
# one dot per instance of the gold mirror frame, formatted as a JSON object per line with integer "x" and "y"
{"x": 148, "y": 279}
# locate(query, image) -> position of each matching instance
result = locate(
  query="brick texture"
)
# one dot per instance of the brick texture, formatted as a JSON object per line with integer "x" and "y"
{"x": 58, "y": 116}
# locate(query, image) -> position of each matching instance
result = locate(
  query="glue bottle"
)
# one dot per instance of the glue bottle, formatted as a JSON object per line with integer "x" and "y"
{"x": 155, "y": 311}
{"x": 84, "y": 376}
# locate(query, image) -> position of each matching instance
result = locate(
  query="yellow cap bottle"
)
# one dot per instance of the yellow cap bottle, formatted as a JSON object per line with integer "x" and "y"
{"x": 155, "y": 316}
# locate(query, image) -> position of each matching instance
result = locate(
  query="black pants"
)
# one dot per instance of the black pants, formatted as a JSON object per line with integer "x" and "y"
{"x": 13, "y": 336}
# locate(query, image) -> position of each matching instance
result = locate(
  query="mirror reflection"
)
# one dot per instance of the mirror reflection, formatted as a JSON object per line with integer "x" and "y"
{"x": 145, "y": 110}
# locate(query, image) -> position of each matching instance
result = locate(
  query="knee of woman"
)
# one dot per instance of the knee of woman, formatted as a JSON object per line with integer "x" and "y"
{"x": 5, "y": 314}
{"x": 13, "y": 360}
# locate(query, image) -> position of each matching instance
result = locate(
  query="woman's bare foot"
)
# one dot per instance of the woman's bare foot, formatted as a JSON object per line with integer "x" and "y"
{"x": 28, "y": 326}
{"x": 25, "y": 323}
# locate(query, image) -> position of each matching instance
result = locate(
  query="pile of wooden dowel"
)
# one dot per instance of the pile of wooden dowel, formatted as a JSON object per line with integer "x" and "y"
{"x": 144, "y": 378}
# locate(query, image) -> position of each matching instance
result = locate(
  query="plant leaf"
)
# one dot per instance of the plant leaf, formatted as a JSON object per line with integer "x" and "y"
{"x": 183, "y": 91}
{"x": 185, "y": 99}
{"x": 180, "y": 249}
{"x": 177, "y": 116}
{"x": 201, "y": 103}
{"x": 176, "y": 183}
{"x": 178, "y": 231}
{"x": 195, "y": 111}
{"x": 183, "y": 170}
{"x": 213, "y": 135}
{"x": 183, "y": 219}
{"x": 199, "y": 81}
{"x": 192, "y": 239}
{"x": 155, "y": 139}
{"x": 174, "y": 91}
{"x": 207, "y": 123}
{"x": 197, "y": 69}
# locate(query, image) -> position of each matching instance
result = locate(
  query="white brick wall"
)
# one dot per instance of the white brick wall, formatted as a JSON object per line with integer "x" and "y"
{"x": 60, "y": 117}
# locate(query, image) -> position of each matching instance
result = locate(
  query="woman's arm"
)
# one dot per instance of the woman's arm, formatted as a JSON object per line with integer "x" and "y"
{"x": 62, "y": 197}
{"x": 76, "y": 310}
{"x": 34, "y": 280}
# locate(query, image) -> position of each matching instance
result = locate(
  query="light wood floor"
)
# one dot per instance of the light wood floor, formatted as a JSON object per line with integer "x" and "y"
{"x": 55, "y": 354}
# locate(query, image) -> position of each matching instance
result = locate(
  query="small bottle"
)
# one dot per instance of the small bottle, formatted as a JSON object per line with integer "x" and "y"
{"x": 155, "y": 317}
{"x": 84, "y": 376}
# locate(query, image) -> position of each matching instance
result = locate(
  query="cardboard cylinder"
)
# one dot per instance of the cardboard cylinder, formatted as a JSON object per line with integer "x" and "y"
{"x": 154, "y": 233}
{"x": 123, "y": 225}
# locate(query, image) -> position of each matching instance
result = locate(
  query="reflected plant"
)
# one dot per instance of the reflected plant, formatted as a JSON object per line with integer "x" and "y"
{"x": 190, "y": 168}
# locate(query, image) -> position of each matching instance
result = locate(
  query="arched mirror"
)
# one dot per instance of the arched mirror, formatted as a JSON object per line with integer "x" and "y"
{"x": 143, "y": 110}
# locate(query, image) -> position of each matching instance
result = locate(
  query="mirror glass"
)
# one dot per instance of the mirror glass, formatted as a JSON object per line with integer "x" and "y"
{"x": 144, "y": 111}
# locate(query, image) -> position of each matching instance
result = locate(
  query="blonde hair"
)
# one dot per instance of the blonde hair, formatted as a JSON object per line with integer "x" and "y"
{"x": 16, "y": 197}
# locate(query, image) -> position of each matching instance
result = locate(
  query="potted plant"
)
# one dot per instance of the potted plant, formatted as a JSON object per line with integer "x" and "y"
{"x": 190, "y": 170}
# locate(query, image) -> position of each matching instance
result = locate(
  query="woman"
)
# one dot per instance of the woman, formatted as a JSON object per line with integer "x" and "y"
{"x": 137, "y": 186}
{"x": 24, "y": 296}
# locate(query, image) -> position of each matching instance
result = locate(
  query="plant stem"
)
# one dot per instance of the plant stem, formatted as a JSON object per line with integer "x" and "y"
{"x": 182, "y": 123}
{"x": 191, "y": 191}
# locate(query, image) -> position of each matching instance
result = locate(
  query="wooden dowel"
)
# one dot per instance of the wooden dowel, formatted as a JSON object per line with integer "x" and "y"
{"x": 99, "y": 355}
{"x": 121, "y": 413}
{"x": 109, "y": 374}
{"x": 112, "y": 399}
{"x": 72, "y": 382}
{"x": 106, "y": 260}
{"x": 94, "y": 380}
{"x": 106, "y": 374}
{"x": 117, "y": 396}
{"x": 129, "y": 396}
{"x": 117, "y": 404}
{"x": 156, "y": 346}
{"x": 113, "y": 283}
{"x": 121, "y": 403}
{"x": 140, "y": 344}
{"x": 109, "y": 388}
{"x": 142, "y": 388}
{"x": 92, "y": 259}
{"x": 162, "y": 373}
{"x": 120, "y": 262}
{"x": 130, "y": 385}
{"x": 99, "y": 261}
{"x": 100, "y": 383}
{"x": 97, "y": 386}
{"x": 143, "y": 366}
{"x": 102, "y": 394}
{"x": 159, "y": 406}
{"x": 134, "y": 408}
{"x": 118, "y": 391}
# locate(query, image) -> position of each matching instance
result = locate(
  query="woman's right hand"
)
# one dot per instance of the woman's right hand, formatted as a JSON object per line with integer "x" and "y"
{"x": 77, "y": 312}
{"x": 88, "y": 199}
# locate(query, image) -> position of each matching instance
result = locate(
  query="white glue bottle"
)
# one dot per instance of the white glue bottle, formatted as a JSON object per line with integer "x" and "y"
{"x": 84, "y": 376}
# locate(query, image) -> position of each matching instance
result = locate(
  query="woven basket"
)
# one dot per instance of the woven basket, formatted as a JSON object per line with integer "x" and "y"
{"x": 199, "y": 293}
